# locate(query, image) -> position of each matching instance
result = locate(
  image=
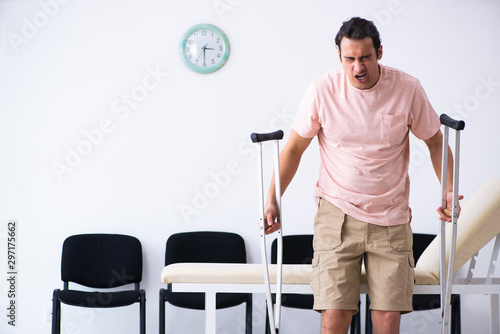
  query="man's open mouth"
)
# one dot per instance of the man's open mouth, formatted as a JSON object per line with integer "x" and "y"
{"x": 361, "y": 77}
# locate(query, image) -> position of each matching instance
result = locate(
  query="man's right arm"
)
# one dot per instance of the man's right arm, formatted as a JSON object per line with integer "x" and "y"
{"x": 289, "y": 163}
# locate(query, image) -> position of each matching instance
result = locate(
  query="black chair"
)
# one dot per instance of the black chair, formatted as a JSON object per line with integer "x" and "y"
{"x": 298, "y": 249}
{"x": 100, "y": 261}
{"x": 212, "y": 247}
{"x": 428, "y": 301}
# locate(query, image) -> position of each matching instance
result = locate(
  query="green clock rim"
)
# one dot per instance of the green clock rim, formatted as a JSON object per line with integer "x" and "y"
{"x": 182, "y": 48}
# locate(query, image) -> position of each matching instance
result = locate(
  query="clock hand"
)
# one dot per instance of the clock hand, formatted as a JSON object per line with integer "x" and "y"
{"x": 199, "y": 55}
{"x": 204, "y": 50}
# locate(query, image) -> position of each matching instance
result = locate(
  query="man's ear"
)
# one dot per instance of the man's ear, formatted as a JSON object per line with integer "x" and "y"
{"x": 379, "y": 52}
{"x": 340, "y": 55}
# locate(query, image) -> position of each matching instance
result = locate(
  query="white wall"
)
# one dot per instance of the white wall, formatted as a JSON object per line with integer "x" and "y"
{"x": 65, "y": 67}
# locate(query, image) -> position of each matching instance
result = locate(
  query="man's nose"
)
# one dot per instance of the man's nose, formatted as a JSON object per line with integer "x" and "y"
{"x": 358, "y": 66}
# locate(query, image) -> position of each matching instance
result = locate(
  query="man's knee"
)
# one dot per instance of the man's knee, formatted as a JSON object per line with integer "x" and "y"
{"x": 335, "y": 321}
{"x": 386, "y": 322}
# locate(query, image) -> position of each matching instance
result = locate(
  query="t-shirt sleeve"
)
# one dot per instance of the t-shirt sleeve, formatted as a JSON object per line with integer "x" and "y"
{"x": 424, "y": 121}
{"x": 306, "y": 122}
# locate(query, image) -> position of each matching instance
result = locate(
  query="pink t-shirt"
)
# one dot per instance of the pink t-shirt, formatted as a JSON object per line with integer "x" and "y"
{"x": 363, "y": 137}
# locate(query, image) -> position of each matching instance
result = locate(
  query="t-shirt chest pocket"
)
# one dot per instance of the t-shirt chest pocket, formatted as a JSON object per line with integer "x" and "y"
{"x": 393, "y": 127}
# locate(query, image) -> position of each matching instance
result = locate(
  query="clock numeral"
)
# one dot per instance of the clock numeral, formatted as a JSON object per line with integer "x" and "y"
{"x": 218, "y": 55}
{"x": 213, "y": 61}
{"x": 204, "y": 64}
{"x": 204, "y": 32}
{"x": 218, "y": 40}
{"x": 220, "y": 47}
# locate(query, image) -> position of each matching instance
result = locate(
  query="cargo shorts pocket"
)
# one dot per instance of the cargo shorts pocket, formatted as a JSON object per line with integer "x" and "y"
{"x": 315, "y": 273}
{"x": 328, "y": 227}
{"x": 400, "y": 237}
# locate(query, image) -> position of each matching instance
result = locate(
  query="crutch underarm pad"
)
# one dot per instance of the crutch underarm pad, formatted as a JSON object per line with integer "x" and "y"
{"x": 260, "y": 137}
{"x": 452, "y": 123}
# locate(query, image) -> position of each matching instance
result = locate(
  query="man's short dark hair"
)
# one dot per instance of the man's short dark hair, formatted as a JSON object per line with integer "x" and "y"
{"x": 357, "y": 29}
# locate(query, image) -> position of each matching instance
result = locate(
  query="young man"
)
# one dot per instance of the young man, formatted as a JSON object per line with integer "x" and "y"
{"x": 362, "y": 115}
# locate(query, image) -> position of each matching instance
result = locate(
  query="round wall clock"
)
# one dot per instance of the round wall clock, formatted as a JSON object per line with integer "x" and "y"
{"x": 204, "y": 48}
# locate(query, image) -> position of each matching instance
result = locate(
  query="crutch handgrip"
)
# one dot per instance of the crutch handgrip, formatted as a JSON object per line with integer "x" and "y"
{"x": 448, "y": 212}
{"x": 260, "y": 137}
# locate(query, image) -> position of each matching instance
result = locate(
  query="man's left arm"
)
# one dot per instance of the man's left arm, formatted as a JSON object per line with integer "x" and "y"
{"x": 435, "y": 146}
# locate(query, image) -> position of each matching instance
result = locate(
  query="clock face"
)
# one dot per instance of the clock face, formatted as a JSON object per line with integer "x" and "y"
{"x": 204, "y": 48}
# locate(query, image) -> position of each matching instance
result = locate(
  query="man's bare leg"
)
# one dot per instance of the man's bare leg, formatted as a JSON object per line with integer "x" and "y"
{"x": 335, "y": 321}
{"x": 386, "y": 322}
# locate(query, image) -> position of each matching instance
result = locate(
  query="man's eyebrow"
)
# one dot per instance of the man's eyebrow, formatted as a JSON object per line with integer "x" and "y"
{"x": 362, "y": 57}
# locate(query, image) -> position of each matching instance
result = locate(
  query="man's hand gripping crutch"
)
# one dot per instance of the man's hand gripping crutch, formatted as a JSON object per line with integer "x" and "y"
{"x": 266, "y": 227}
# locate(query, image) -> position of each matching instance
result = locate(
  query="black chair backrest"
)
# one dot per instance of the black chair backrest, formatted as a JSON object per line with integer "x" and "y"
{"x": 297, "y": 249}
{"x": 101, "y": 260}
{"x": 214, "y": 247}
{"x": 420, "y": 243}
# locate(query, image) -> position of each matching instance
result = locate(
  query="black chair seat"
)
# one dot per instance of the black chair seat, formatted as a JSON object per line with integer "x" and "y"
{"x": 99, "y": 299}
{"x": 299, "y": 301}
{"x": 193, "y": 300}
{"x": 430, "y": 302}
{"x": 426, "y": 302}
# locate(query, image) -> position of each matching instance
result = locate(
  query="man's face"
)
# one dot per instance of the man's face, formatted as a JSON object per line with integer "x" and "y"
{"x": 360, "y": 62}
